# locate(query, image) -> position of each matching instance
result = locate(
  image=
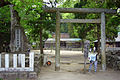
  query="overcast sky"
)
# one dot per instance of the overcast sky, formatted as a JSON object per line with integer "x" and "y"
{"x": 48, "y": 1}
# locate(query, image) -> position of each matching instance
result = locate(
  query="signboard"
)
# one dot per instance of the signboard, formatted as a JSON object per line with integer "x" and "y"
{"x": 86, "y": 51}
{"x": 86, "y": 48}
{"x": 17, "y": 38}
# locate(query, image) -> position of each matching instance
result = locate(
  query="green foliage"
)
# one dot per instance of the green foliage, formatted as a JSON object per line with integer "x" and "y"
{"x": 17, "y": 79}
{"x": 1, "y": 79}
{"x": 112, "y": 26}
{"x": 33, "y": 20}
{"x": 89, "y": 31}
{"x": 4, "y": 26}
{"x": 67, "y": 27}
{"x": 112, "y": 21}
{"x": 43, "y": 23}
{"x": 27, "y": 9}
{"x": 5, "y": 19}
{"x": 64, "y": 28}
{"x": 80, "y": 29}
{"x": 68, "y": 3}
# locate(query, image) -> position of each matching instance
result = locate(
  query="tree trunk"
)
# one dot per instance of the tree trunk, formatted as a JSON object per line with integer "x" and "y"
{"x": 82, "y": 45}
{"x": 41, "y": 44}
{"x": 98, "y": 36}
{"x": 41, "y": 48}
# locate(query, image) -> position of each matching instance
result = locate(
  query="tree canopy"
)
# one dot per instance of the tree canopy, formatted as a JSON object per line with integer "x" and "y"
{"x": 33, "y": 19}
{"x": 112, "y": 21}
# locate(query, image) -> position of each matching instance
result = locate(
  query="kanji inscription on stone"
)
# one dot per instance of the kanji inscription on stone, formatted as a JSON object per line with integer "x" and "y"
{"x": 86, "y": 48}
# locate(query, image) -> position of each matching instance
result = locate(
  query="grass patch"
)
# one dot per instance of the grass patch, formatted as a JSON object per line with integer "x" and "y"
{"x": 1, "y": 79}
{"x": 17, "y": 79}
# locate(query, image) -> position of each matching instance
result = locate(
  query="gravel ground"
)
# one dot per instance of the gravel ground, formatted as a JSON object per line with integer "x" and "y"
{"x": 71, "y": 68}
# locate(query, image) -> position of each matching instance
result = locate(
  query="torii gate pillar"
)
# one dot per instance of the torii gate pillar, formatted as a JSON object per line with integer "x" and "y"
{"x": 57, "y": 52}
{"x": 103, "y": 41}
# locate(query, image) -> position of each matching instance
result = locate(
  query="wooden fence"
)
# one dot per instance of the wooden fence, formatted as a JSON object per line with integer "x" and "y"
{"x": 18, "y": 62}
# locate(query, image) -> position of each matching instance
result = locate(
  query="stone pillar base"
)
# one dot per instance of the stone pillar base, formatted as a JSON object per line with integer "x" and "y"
{"x": 57, "y": 68}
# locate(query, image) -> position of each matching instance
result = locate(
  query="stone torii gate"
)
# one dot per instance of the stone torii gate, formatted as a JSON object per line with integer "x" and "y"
{"x": 80, "y": 10}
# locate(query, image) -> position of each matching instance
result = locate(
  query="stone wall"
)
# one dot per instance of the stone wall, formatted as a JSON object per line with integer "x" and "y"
{"x": 18, "y": 75}
{"x": 113, "y": 59}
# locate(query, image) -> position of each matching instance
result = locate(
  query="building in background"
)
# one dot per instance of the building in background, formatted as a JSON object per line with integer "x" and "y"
{"x": 65, "y": 42}
{"x": 111, "y": 44}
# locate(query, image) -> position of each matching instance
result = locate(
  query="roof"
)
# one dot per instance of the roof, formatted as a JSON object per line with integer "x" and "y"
{"x": 116, "y": 40}
{"x": 63, "y": 39}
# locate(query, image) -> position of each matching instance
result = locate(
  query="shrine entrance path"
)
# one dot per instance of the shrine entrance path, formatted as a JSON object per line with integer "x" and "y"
{"x": 72, "y": 68}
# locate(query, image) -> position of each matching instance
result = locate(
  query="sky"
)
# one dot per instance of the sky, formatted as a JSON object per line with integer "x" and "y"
{"x": 48, "y": 1}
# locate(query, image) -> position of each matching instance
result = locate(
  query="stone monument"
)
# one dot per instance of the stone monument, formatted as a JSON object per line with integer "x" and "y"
{"x": 19, "y": 42}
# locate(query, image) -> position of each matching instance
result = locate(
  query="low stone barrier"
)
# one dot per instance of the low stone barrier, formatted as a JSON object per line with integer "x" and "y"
{"x": 113, "y": 59}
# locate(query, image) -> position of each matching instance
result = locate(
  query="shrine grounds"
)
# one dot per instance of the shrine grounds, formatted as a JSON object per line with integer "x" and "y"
{"x": 72, "y": 68}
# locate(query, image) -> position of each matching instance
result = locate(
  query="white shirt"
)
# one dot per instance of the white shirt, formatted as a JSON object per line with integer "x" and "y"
{"x": 92, "y": 57}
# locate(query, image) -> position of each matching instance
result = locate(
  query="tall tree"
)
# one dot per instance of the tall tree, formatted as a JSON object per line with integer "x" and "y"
{"x": 112, "y": 21}
{"x": 81, "y": 28}
{"x": 42, "y": 24}
{"x": 19, "y": 7}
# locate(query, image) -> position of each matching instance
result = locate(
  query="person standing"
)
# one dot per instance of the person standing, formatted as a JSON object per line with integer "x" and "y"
{"x": 93, "y": 60}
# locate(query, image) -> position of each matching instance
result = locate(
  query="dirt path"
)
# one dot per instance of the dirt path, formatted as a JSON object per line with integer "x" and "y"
{"x": 77, "y": 75}
{"x": 72, "y": 69}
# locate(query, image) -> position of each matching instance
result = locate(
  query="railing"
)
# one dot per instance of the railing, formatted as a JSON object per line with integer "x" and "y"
{"x": 18, "y": 62}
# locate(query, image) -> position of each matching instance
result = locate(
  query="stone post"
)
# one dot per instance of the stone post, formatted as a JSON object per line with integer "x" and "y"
{"x": 103, "y": 42}
{"x": 18, "y": 42}
{"x": 86, "y": 51}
